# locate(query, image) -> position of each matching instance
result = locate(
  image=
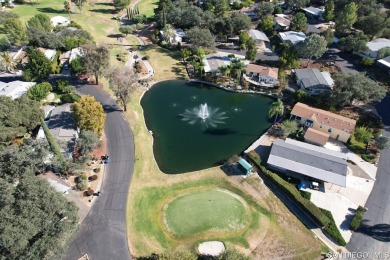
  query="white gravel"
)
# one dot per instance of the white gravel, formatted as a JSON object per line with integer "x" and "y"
{"x": 211, "y": 248}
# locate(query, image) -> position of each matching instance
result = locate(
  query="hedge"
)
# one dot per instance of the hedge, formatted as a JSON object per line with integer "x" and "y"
{"x": 52, "y": 142}
{"x": 305, "y": 194}
{"x": 357, "y": 219}
{"x": 309, "y": 207}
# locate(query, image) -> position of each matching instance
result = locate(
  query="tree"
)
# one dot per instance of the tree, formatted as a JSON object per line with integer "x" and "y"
{"x": 7, "y": 62}
{"x": 363, "y": 134}
{"x": 328, "y": 35}
{"x": 79, "y": 4}
{"x": 289, "y": 127}
{"x": 200, "y": 37}
{"x": 251, "y": 52}
{"x": 347, "y": 18}
{"x": 221, "y": 6}
{"x": 44, "y": 39}
{"x": 40, "y": 22}
{"x": 289, "y": 58}
{"x": 296, "y": 4}
{"x": 276, "y": 109}
{"x": 278, "y": 10}
{"x": 237, "y": 67}
{"x": 95, "y": 60}
{"x": 265, "y": 9}
{"x": 89, "y": 114}
{"x": 267, "y": 24}
{"x": 17, "y": 117}
{"x": 239, "y": 22}
{"x": 225, "y": 70}
{"x": 355, "y": 42}
{"x": 4, "y": 43}
{"x": 299, "y": 23}
{"x": 86, "y": 142}
{"x": 16, "y": 32}
{"x": 39, "y": 91}
{"x": 67, "y": 8}
{"x": 243, "y": 39}
{"x": 383, "y": 52}
{"x": 169, "y": 33}
{"x": 374, "y": 24}
{"x": 123, "y": 81}
{"x": 329, "y": 11}
{"x": 77, "y": 66}
{"x": 382, "y": 142}
{"x": 232, "y": 255}
{"x": 126, "y": 29}
{"x": 121, "y": 4}
{"x": 314, "y": 46}
{"x": 38, "y": 66}
{"x": 359, "y": 87}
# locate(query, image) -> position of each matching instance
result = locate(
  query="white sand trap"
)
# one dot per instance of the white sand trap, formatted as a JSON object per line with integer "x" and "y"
{"x": 211, "y": 248}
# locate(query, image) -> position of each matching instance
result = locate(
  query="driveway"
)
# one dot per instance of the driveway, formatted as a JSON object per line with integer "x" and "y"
{"x": 102, "y": 234}
{"x": 374, "y": 234}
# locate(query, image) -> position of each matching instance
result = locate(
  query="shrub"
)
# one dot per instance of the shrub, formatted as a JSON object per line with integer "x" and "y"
{"x": 146, "y": 57}
{"x": 70, "y": 98}
{"x": 366, "y": 61}
{"x": 52, "y": 142}
{"x": 62, "y": 87}
{"x": 93, "y": 178}
{"x": 55, "y": 68}
{"x": 39, "y": 91}
{"x": 305, "y": 194}
{"x": 96, "y": 170}
{"x": 357, "y": 219}
{"x": 81, "y": 186}
{"x": 309, "y": 207}
{"x": 77, "y": 66}
{"x": 74, "y": 24}
{"x": 89, "y": 192}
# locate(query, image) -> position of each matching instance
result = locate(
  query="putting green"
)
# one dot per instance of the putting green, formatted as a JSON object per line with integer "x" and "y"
{"x": 205, "y": 211}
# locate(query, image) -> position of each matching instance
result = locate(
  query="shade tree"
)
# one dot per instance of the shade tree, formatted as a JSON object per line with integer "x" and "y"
{"x": 95, "y": 60}
{"x": 314, "y": 46}
{"x": 89, "y": 114}
{"x": 299, "y": 23}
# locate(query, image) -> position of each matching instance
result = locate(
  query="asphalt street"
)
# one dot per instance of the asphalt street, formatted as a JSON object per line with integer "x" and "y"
{"x": 102, "y": 234}
{"x": 373, "y": 236}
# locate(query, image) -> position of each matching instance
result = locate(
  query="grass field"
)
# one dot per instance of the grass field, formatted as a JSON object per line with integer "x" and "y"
{"x": 166, "y": 64}
{"x": 199, "y": 212}
{"x": 147, "y": 7}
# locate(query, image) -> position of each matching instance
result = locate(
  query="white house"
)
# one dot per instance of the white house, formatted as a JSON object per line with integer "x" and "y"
{"x": 261, "y": 75}
{"x": 49, "y": 53}
{"x": 374, "y": 46}
{"x": 313, "y": 12}
{"x": 215, "y": 60}
{"x": 179, "y": 34}
{"x": 15, "y": 89}
{"x": 59, "y": 21}
{"x": 282, "y": 22}
{"x": 292, "y": 37}
{"x": 259, "y": 37}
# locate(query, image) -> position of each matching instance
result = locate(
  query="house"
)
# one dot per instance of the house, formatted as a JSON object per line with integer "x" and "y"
{"x": 178, "y": 35}
{"x": 15, "y": 89}
{"x": 49, "y": 53}
{"x": 244, "y": 166}
{"x": 374, "y": 46}
{"x": 313, "y": 81}
{"x": 215, "y": 60}
{"x": 313, "y": 12}
{"x": 385, "y": 63}
{"x": 282, "y": 22}
{"x": 261, "y": 75}
{"x": 2, "y": 2}
{"x": 338, "y": 127}
{"x": 64, "y": 57}
{"x": 75, "y": 53}
{"x": 315, "y": 137}
{"x": 259, "y": 37}
{"x": 292, "y": 37}
{"x": 62, "y": 126}
{"x": 313, "y": 162}
{"x": 59, "y": 21}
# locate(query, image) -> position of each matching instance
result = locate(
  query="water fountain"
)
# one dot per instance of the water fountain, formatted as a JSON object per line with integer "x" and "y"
{"x": 205, "y": 115}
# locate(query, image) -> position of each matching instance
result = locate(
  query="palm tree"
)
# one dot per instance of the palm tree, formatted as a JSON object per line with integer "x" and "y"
{"x": 7, "y": 62}
{"x": 276, "y": 108}
{"x": 237, "y": 67}
{"x": 225, "y": 70}
{"x": 169, "y": 33}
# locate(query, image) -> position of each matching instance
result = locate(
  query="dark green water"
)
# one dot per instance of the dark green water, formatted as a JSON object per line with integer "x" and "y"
{"x": 181, "y": 147}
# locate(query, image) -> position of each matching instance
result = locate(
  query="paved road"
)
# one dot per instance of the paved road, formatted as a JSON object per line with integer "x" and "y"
{"x": 102, "y": 234}
{"x": 374, "y": 234}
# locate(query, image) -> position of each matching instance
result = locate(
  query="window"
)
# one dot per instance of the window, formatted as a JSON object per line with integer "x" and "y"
{"x": 330, "y": 130}
{"x": 298, "y": 118}
{"x": 309, "y": 123}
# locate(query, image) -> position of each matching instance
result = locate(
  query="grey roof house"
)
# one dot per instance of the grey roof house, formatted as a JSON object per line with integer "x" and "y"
{"x": 374, "y": 46}
{"x": 292, "y": 37}
{"x": 63, "y": 127}
{"x": 314, "y": 81}
{"x": 309, "y": 160}
{"x": 258, "y": 36}
{"x": 313, "y": 12}
{"x": 385, "y": 63}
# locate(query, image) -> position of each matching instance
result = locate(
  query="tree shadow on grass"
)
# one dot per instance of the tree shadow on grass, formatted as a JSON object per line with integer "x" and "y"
{"x": 51, "y": 10}
{"x": 115, "y": 35}
{"x": 104, "y": 11}
{"x": 105, "y": 4}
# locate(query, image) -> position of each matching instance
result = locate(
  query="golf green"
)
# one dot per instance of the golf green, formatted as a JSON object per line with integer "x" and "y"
{"x": 199, "y": 212}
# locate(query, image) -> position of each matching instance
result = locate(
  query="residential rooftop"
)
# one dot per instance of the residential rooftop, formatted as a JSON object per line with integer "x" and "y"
{"x": 15, "y": 89}
{"x": 315, "y": 136}
{"x": 377, "y": 44}
{"x": 313, "y": 78}
{"x": 263, "y": 70}
{"x": 292, "y": 37}
{"x": 258, "y": 35}
{"x": 322, "y": 116}
{"x": 310, "y": 160}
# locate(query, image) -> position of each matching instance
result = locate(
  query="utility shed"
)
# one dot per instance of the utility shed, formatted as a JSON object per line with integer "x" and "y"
{"x": 244, "y": 166}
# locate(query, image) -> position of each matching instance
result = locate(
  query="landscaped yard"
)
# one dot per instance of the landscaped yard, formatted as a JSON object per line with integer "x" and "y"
{"x": 147, "y": 7}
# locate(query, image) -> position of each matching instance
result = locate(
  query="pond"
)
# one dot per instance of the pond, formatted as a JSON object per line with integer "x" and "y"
{"x": 198, "y": 126}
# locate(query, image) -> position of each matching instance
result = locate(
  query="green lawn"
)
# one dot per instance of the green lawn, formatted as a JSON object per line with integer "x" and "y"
{"x": 204, "y": 211}
{"x": 147, "y": 7}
